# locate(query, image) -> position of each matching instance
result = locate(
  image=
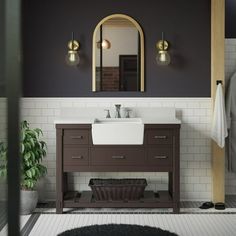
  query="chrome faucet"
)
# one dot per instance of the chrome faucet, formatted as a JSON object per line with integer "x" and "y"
{"x": 128, "y": 113}
{"x": 117, "y": 111}
{"x": 108, "y": 113}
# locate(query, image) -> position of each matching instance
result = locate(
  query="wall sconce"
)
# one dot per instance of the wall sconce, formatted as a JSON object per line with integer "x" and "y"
{"x": 163, "y": 57}
{"x": 72, "y": 57}
{"x": 106, "y": 44}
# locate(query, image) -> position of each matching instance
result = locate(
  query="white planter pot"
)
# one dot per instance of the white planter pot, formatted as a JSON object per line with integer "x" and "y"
{"x": 28, "y": 201}
{"x": 40, "y": 187}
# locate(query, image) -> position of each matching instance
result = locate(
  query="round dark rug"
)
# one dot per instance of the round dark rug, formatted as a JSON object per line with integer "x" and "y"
{"x": 117, "y": 230}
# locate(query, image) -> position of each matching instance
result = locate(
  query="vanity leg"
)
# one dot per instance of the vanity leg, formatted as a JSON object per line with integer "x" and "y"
{"x": 59, "y": 193}
{"x": 176, "y": 174}
{"x": 170, "y": 183}
{"x": 65, "y": 182}
{"x": 176, "y": 208}
{"x": 59, "y": 209}
{"x": 59, "y": 174}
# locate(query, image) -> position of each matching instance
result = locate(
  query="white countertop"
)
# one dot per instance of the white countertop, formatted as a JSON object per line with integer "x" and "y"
{"x": 75, "y": 120}
{"x": 161, "y": 121}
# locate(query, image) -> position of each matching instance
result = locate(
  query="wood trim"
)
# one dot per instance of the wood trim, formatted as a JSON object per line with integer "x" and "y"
{"x": 176, "y": 173}
{"x": 59, "y": 172}
{"x": 217, "y": 73}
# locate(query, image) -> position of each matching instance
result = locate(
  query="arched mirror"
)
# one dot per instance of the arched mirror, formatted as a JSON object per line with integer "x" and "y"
{"x": 118, "y": 55}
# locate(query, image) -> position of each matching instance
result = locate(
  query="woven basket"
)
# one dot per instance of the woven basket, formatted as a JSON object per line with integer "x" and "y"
{"x": 117, "y": 189}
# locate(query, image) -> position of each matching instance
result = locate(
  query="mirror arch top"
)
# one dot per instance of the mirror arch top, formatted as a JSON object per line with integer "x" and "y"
{"x": 141, "y": 35}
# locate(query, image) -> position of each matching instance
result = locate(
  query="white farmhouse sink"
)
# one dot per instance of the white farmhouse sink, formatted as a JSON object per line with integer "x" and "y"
{"x": 118, "y": 131}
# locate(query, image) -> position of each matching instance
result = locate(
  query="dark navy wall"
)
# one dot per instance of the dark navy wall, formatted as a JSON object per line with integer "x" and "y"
{"x": 230, "y": 19}
{"x": 2, "y": 44}
{"x": 47, "y": 27}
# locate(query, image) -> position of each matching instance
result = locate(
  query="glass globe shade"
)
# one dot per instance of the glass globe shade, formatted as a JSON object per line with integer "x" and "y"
{"x": 72, "y": 58}
{"x": 163, "y": 58}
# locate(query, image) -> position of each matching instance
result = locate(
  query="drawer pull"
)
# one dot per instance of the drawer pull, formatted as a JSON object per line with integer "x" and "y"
{"x": 77, "y": 157}
{"x": 160, "y": 137}
{"x": 118, "y": 157}
{"x": 77, "y": 137}
{"x": 160, "y": 157}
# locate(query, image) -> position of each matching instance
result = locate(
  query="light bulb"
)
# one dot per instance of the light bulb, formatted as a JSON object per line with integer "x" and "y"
{"x": 72, "y": 58}
{"x": 105, "y": 44}
{"x": 163, "y": 58}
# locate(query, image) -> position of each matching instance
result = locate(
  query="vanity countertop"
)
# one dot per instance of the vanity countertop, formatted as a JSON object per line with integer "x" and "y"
{"x": 91, "y": 121}
{"x": 161, "y": 121}
{"x": 74, "y": 121}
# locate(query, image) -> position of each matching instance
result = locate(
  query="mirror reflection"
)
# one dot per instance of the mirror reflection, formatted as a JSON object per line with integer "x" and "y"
{"x": 118, "y": 55}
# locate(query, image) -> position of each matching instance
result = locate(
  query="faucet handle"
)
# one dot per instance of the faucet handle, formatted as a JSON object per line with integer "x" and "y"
{"x": 108, "y": 113}
{"x": 117, "y": 110}
{"x": 127, "y": 113}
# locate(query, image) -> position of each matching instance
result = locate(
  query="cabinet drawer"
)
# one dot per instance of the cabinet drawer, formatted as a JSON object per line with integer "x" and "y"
{"x": 117, "y": 156}
{"x": 76, "y": 136}
{"x": 160, "y": 156}
{"x": 75, "y": 156}
{"x": 159, "y": 136}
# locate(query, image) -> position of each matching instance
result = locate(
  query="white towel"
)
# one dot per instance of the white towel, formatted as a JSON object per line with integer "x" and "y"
{"x": 219, "y": 125}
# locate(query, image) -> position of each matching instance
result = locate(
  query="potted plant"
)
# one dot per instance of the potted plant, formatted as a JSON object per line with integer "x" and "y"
{"x": 32, "y": 151}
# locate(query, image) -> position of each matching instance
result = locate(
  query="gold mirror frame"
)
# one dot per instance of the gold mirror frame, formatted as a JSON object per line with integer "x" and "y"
{"x": 138, "y": 27}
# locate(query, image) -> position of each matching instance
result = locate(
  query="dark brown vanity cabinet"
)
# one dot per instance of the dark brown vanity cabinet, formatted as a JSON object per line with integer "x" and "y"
{"x": 159, "y": 153}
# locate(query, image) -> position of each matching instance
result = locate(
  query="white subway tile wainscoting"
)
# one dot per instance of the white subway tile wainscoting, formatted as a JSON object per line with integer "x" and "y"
{"x": 195, "y": 149}
{"x": 230, "y": 68}
{"x": 195, "y": 114}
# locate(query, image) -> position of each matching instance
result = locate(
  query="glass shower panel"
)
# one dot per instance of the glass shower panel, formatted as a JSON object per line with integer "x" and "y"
{"x": 3, "y": 129}
{"x": 3, "y": 140}
{"x": 10, "y": 80}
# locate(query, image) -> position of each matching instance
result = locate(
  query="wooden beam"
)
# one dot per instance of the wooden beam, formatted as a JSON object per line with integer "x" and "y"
{"x": 217, "y": 73}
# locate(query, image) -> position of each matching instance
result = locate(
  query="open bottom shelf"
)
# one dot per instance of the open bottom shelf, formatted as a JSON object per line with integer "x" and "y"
{"x": 150, "y": 200}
